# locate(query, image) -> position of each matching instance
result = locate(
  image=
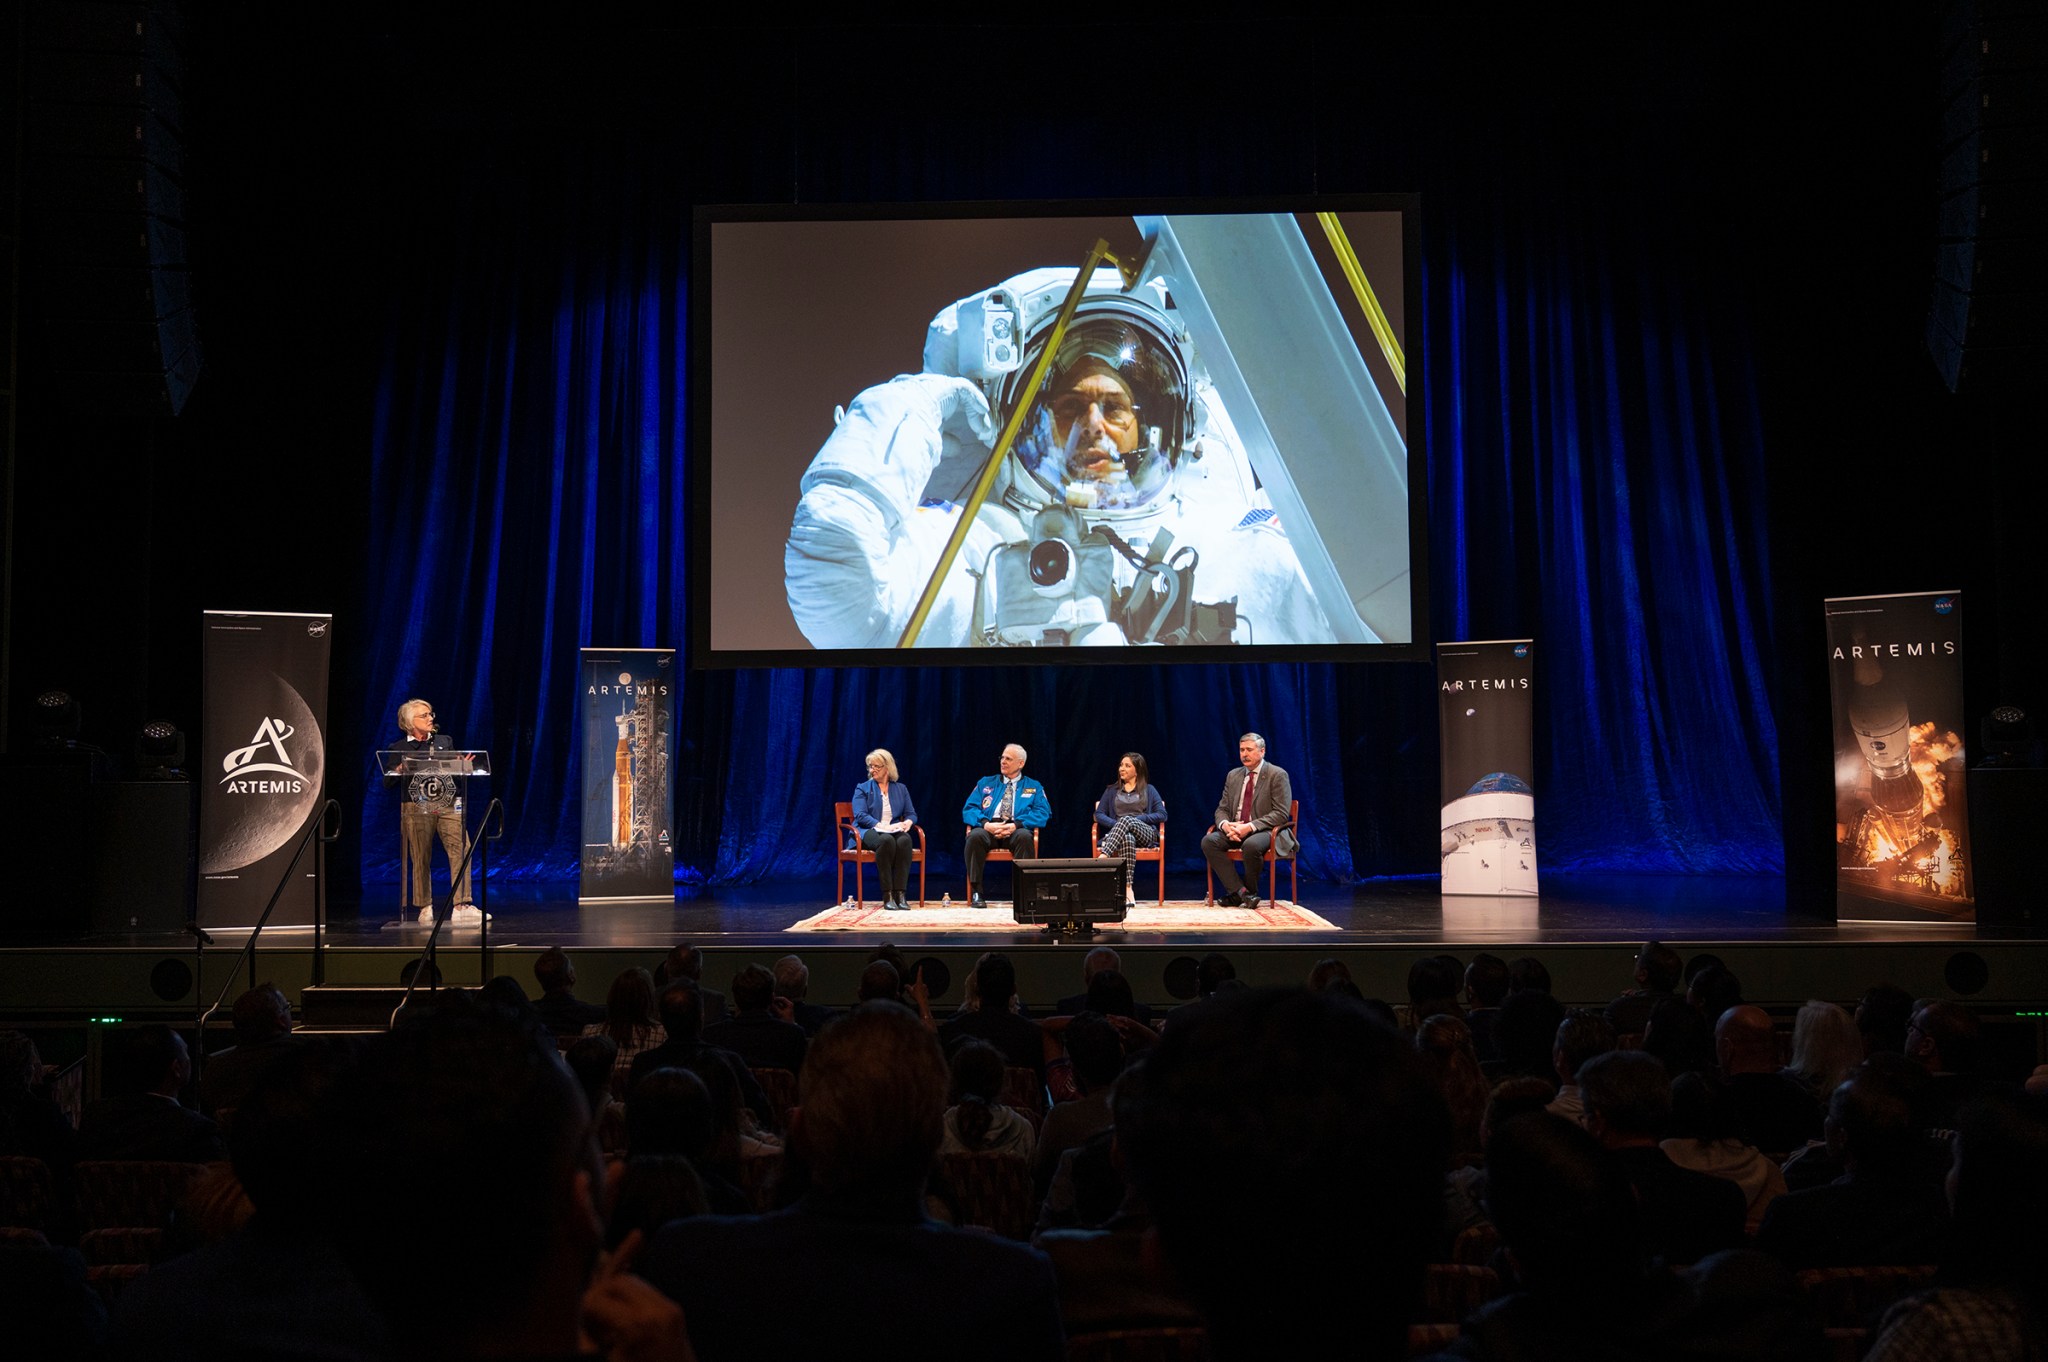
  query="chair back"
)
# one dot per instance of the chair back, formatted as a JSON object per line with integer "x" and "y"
{"x": 128, "y": 1245}
{"x": 132, "y": 1193}
{"x": 1476, "y": 1245}
{"x": 759, "y": 1176}
{"x": 1451, "y": 1291}
{"x": 24, "y": 1192}
{"x": 1140, "y": 1345}
{"x": 992, "y": 1191}
{"x": 1023, "y": 1092}
{"x": 1856, "y": 1297}
{"x": 842, "y": 827}
{"x": 779, "y": 1087}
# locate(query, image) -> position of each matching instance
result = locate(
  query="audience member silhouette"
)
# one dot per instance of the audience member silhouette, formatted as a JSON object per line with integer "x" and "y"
{"x": 1684, "y": 1215}
{"x": 761, "y": 1039}
{"x": 142, "y": 1118}
{"x": 560, "y": 1009}
{"x": 1770, "y": 1110}
{"x": 1656, "y": 978}
{"x": 855, "y": 1266}
{"x": 1990, "y": 1303}
{"x": 1883, "y": 1209}
{"x": 1703, "y": 1136}
{"x": 263, "y": 1030}
{"x": 1323, "y": 1122}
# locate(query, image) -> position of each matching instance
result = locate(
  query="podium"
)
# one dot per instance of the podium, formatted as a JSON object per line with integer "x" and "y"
{"x": 424, "y": 776}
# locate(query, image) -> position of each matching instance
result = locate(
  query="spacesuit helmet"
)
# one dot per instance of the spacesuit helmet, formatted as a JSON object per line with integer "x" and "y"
{"x": 1109, "y": 424}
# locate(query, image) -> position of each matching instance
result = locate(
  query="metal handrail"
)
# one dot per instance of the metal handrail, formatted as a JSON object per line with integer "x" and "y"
{"x": 428, "y": 963}
{"x": 331, "y": 807}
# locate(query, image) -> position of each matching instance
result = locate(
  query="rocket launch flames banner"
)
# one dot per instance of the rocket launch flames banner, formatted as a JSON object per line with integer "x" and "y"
{"x": 1902, "y": 833}
{"x": 262, "y": 763}
{"x": 628, "y": 787}
{"x": 1489, "y": 756}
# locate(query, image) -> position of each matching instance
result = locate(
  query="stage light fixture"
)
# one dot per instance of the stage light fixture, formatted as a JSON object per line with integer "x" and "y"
{"x": 2006, "y": 738}
{"x": 159, "y": 751}
{"x": 57, "y": 718}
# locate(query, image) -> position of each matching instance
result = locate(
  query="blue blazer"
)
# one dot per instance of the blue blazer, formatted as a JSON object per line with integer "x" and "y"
{"x": 867, "y": 805}
{"x": 1032, "y": 809}
{"x": 1155, "y": 807}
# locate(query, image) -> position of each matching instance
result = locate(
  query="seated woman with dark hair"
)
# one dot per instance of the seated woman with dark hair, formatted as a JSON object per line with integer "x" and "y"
{"x": 977, "y": 1123}
{"x": 884, "y": 815}
{"x": 632, "y": 1022}
{"x": 1130, "y": 814}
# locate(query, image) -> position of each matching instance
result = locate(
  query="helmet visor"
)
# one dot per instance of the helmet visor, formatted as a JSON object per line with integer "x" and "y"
{"x": 1093, "y": 437}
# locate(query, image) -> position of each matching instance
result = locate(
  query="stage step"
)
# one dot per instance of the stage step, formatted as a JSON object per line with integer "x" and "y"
{"x": 333, "y": 1007}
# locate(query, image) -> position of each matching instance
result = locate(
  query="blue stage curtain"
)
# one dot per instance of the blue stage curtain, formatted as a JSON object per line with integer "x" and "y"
{"x": 1595, "y": 479}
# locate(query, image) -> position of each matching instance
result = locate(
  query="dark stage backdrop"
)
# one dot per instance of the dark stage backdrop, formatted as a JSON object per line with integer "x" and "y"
{"x": 1596, "y": 483}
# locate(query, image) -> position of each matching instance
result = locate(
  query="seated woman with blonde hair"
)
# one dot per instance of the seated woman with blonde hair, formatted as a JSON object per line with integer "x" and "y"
{"x": 883, "y": 816}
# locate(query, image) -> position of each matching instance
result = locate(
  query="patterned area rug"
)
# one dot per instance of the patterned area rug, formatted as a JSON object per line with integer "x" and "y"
{"x": 1179, "y": 915}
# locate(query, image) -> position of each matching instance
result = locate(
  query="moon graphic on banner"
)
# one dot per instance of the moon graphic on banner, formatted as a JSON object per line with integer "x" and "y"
{"x": 252, "y": 826}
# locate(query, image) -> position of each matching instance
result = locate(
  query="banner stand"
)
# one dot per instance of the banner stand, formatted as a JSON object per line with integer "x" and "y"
{"x": 262, "y": 762}
{"x": 1489, "y": 801}
{"x": 628, "y": 702}
{"x": 1902, "y": 829}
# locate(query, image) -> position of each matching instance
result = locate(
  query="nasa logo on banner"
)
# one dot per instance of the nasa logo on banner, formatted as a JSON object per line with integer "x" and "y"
{"x": 265, "y": 760}
{"x": 1488, "y": 823}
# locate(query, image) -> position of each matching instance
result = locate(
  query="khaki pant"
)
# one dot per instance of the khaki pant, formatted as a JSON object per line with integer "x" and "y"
{"x": 417, "y": 826}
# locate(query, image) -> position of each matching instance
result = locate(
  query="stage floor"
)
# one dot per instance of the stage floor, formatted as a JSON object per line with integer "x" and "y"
{"x": 1572, "y": 909}
{"x": 1585, "y": 929}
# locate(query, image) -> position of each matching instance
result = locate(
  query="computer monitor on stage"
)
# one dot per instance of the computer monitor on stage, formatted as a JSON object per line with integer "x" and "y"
{"x": 1070, "y": 894}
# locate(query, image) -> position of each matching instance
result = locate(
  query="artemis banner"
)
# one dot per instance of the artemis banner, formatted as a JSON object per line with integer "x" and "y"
{"x": 263, "y": 763}
{"x": 628, "y": 789}
{"x": 1489, "y": 805}
{"x": 1902, "y": 832}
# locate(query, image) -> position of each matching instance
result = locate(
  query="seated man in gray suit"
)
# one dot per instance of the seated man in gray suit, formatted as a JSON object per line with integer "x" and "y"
{"x": 1252, "y": 816}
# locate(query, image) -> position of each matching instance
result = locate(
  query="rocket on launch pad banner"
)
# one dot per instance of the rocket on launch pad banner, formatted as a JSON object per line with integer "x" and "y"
{"x": 628, "y": 786}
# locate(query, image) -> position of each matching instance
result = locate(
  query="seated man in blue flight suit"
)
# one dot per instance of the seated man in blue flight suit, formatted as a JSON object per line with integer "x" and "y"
{"x": 1003, "y": 812}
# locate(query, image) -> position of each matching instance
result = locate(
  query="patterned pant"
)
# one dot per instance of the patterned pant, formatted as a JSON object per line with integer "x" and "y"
{"x": 1130, "y": 833}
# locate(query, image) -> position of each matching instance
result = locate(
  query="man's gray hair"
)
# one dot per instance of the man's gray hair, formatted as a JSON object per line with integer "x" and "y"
{"x": 1253, "y": 737}
{"x": 792, "y": 978}
{"x": 1022, "y": 755}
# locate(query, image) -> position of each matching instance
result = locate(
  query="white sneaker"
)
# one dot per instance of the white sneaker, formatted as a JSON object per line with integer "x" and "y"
{"x": 426, "y": 918}
{"x": 467, "y": 915}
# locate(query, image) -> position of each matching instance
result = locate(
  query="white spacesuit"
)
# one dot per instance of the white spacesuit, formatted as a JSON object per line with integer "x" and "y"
{"x": 1125, "y": 511}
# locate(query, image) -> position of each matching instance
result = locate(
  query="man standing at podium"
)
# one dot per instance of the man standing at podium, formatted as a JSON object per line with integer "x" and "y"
{"x": 431, "y": 807}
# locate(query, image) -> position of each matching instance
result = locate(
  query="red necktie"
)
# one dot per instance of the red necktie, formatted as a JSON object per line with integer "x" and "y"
{"x": 1244, "y": 808}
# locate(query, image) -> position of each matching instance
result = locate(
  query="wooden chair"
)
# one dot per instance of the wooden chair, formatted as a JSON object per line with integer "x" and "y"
{"x": 1157, "y": 853}
{"x": 847, "y": 838}
{"x": 1273, "y": 859}
{"x": 1004, "y": 854}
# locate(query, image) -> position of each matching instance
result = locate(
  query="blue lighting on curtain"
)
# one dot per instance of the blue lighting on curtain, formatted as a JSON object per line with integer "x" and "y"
{"x": 1596, "y": 482}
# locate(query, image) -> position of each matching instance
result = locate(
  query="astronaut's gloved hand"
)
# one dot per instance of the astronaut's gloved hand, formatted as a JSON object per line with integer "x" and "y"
{"x": 856, "y": 558}
{"x": 896, "y": 433}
